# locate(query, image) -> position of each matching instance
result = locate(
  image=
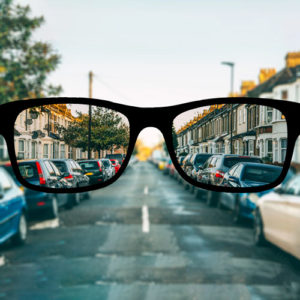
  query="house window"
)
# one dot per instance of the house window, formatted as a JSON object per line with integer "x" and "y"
{"x": 33, "y": 149}
{"x": 234, "y": 121}
{"x": 46, "y": 151}
{"x": 244, "y": 114}
{"x": 55, "y": 150}
{"x": 284, "y": 95}
{"x": 257, "y": 116}
{"x": 70, "y": 152}
{"x": 236, "y": 147}
{"x": 251, "y": 147}
{"x": 269, "y": 148}
{"x": 21, "y": 149}
{"x": 240, "y": 117}
{"x": 283, "y": 144}
{"x": 269, "y": 115}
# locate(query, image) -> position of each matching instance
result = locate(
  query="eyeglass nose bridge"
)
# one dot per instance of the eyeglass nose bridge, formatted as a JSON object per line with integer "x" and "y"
{"x": 151, "y": 117}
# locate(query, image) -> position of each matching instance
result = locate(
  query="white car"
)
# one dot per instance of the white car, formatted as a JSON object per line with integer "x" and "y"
{"x": 277, "y": 218}
{"x": 110, "y": 169}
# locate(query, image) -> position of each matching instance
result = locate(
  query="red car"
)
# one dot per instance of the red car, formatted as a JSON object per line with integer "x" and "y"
{"x": 115, "y": 164}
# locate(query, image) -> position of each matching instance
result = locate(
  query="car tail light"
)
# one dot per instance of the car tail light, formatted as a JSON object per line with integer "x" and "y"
{"x": 100, "y": 169}
{"x": 69, "y": 176}
{"x": 219, "y": 174}
{"x": 41, "y": 203}
{"x": 40, "y": 173}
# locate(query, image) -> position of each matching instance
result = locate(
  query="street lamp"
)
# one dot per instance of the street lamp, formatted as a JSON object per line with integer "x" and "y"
{"x": 90, "y": 114}
{"x": 231, "y": 65}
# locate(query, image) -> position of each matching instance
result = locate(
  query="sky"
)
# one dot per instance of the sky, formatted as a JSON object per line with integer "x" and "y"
{"x": 158, "y": 53}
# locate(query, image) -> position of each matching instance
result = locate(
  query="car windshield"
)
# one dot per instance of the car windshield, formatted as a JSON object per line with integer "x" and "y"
{"x": 89, "y": 165}
{"x": 231, "y": 161}
{"x": 261, "y": 173}
{"x": 28, "y": 170}
{"x": 61, "y": 165}
{"x": 106, "y": 163}
{"x": 201, "y": 159}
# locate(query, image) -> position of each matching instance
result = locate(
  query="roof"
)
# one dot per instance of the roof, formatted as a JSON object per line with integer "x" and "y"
{"x": 286, "y": 75}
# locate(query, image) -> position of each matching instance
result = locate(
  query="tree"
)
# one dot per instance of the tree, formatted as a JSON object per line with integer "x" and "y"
{"x": 24, "y": 64}
{"x": 108, "y": 131}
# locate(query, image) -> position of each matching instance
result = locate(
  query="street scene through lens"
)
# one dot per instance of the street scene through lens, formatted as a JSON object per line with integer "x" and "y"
{"x": 151, "y": 234}
{"x": 70, "y": 145}
{"x": 231, "y": 145}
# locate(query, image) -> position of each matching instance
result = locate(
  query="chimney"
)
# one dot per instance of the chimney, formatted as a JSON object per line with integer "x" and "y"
{"x": 247, "y": 85}
{"x": 265, "y": 74}
{"x": 292, "y": 59}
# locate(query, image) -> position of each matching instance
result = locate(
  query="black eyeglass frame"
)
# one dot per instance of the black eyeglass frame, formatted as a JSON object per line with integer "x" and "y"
{"x": 140, "y": 118}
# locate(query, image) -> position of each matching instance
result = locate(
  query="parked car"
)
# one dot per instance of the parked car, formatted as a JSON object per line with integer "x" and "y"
{"x": 94, "y": 169}
{"x": 167, "y": 168}
{"x": 214, "y": 169}
{"x": 119, "y": 157}
{"x": 243, "y": 205}
{"x": 162, "y": 163}
{"x": 180, "y": 160}
{"x": 110, "y": 170}
{"x": 197, "y": 160}
{"x": 277, "y": 217}
{"x": 248, "y": 174}
{"x": 194, "y": 162}
{"x": 39, "y": 172}
{"x": 13, "y": 210}
{"x": 185, "y": 163}
{"x": 116, "y": 165}
{"x": 73, "y": 173}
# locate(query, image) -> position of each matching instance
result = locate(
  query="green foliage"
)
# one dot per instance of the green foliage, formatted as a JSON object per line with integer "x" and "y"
{"x": 24, "y": 64}
{"x": 108, "y": 131}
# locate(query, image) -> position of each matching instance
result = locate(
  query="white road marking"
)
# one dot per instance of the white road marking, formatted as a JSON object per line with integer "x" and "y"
{"x": 45, "y": 224}
{"x": 146, "y": 190}
{"x": 145, "y": 219}
{"x": 2, "y": 261}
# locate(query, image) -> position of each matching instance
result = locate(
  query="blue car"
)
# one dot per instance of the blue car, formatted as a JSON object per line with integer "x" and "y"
{"x": 40, "y": 204}
{"x": 244, "y": 204}
{"x": 13, "y": 210}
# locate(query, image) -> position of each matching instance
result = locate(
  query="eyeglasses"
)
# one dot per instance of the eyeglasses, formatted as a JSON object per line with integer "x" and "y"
{"x": 78, "y": 144}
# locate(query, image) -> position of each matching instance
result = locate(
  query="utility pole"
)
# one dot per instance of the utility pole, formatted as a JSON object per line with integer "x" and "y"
{"x": 90, "y": 113}
{"x": 231, "y": 65}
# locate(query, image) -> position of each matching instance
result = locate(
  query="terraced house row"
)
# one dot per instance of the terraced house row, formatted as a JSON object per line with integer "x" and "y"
{"x": 36, "y": 136}
{"x": 247, "y": 129}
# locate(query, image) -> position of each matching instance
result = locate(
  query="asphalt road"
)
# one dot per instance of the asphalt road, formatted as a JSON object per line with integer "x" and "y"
{"x": 145, "y": 237}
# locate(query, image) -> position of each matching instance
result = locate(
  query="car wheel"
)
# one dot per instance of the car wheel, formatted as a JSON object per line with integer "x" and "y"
{"x": 220, "y": 204}
{"x": 236, "y": 213}
{"x": 186, "y": 186}
{"x": 192, "y": 189}
{"x": 258, "y": 236}
{"x": 200, "y": 194}
{"x": 20, "y": 237}
{"x": 212, "y": 198}
{"x": 53, "y": 210}
{"x": 86, "y": 195}
{"x": 76, "y": 198}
